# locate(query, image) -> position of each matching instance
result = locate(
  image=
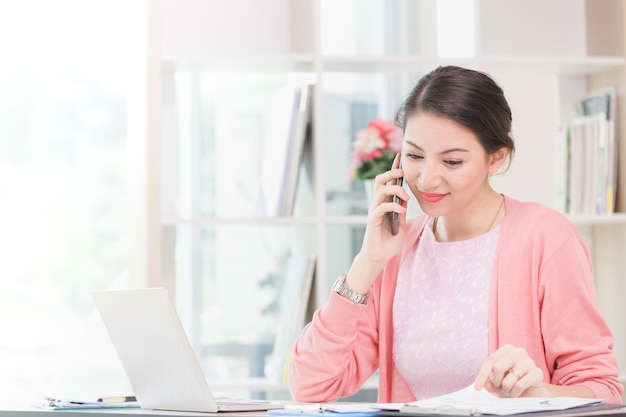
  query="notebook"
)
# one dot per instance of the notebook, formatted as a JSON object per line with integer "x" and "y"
{"x": 156, "y": 355}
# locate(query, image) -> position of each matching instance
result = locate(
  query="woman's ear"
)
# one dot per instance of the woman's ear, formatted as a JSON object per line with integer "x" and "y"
{"x": 497, "y": 159}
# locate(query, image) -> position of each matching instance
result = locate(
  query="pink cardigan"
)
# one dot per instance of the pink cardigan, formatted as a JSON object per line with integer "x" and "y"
{"x": 542, "y": 298}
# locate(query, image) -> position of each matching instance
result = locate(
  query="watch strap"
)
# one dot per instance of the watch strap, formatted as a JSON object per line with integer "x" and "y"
{"x": 346, "y": 292}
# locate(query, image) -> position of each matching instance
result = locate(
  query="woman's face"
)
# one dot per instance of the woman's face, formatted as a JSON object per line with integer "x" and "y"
{"x": 445, "y": 165}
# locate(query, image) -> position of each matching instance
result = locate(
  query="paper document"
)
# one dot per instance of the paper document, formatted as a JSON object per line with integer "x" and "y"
{"x": 49, "y": 403}
{"x": 343, "y": 408}
{"x": 465, "y": 402}
{"x": 470, "y": 401}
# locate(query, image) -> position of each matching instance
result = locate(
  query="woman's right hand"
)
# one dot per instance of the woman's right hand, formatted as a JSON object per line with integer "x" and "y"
{"x": 379, "y": 244}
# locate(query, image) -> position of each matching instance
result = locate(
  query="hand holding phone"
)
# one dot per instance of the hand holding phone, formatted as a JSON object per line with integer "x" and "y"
{"x": 396, "y": 199}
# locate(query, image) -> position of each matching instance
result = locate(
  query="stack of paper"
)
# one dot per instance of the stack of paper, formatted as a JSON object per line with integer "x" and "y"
{"x": 470, "y": 401}
{"x": 465, "y": 402}
{"x": 50, "y": 403}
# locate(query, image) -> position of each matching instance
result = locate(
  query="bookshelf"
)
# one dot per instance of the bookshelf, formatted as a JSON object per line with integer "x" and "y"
{"x": 362, "y": 61}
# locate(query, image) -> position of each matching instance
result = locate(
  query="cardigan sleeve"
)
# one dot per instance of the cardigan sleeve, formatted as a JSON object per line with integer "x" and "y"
{"x": 346, "y": 343}
{"x": 544, "y": 300}
{"x": 579, "y": 344}
{"x": 335, "y": 353}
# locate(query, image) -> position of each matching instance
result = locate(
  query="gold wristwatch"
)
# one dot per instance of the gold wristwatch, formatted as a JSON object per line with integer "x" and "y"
{"x": 343, "y": 290}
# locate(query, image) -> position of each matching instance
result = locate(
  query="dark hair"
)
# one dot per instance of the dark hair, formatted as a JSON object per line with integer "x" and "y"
{"x": 470, "y": 98}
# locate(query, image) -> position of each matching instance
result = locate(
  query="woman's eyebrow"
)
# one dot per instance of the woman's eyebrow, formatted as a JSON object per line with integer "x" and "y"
{"x": 447, "y": 151}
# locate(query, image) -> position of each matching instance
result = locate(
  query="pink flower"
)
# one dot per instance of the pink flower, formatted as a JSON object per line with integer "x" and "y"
{"x": 389, "y": 133}
{"x": 373, "y": 149}
{"x": 368, "y": 144}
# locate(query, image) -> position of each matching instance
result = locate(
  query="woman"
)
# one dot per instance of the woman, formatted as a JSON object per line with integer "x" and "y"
{"x": 481, "y": 290}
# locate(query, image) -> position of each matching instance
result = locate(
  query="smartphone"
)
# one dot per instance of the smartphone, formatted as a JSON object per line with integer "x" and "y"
{"x": 396, "y": 199}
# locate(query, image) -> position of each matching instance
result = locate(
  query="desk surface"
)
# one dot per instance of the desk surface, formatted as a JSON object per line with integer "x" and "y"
{"x": 36, "y": 412}
{"x": 128, "y": 412}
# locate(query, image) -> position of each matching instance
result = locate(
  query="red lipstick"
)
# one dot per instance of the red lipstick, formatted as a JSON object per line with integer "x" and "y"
{"x": 432, "y": 197}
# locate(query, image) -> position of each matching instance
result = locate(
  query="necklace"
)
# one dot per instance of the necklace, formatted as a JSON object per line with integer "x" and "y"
{"x": 495, "y": 216}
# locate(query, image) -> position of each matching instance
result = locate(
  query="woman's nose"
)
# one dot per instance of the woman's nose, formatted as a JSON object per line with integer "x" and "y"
{"x": 428, "y": 177}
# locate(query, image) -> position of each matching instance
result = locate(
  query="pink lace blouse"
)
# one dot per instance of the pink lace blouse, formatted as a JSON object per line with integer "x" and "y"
{"x": 441, "y": 312}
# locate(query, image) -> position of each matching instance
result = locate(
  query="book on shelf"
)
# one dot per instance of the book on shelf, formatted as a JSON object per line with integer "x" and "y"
{"x": 299, "y": 134}
{"x": 294, "y": 301}
{"x": 588, "y": 149}
{"x": 288, "y": 129}
{"x": 562, "y": 171}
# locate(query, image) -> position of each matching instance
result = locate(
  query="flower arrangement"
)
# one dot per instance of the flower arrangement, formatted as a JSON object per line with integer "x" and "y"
{"x": 374, "y": 148}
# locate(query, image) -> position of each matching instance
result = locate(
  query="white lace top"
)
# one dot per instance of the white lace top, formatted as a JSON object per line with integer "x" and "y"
{"x": 440, "y": 312}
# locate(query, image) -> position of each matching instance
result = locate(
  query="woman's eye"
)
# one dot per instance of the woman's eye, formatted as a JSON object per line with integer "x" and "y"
{"x": 413, "y": 156}
{"x": 453, "y": 162}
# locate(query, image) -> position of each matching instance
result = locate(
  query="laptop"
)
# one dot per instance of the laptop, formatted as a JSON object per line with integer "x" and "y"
{"x": 156, "y": 355}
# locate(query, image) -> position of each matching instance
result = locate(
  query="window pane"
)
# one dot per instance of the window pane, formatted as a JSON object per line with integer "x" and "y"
{"x": 236, "y": 288}
{"x": 343, "y": 244}
{"x": 226, "y": 125}
{"x": 455, "y": 28}
{"x": 63, "y": 211}
{"x": 354, "y": 27}
{"x": 351, "y": 100}
{"x": 231, "y": 261}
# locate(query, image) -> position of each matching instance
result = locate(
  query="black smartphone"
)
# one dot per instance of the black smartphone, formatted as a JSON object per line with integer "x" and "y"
{"x": 396, "y": 199}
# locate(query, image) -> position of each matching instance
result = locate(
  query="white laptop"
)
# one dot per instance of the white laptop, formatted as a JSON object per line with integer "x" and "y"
{"x": 156, "y": 354}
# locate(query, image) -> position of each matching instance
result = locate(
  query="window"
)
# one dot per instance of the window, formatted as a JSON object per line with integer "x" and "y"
{"x": 230, "y": 258}
{"x": 63, "y": 194}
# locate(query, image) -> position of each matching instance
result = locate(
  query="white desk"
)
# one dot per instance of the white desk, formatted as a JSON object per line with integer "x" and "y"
{"x": 133, "y": 412}
{"x": 28, "y": 411}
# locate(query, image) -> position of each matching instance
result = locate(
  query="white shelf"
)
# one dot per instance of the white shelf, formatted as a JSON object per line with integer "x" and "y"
{"x": 499, "y": 64}
{"x": 251, "y": 221}
{"x": 242, "y": 221}
{"x": 258, "y": 63}
{"x": 397, "y": 63}
{"x": 586, "y": 220}
{"x": 590, "y": 220}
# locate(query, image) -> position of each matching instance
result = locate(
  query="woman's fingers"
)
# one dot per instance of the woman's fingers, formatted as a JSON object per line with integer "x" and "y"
{"x": 509, "y": 372}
